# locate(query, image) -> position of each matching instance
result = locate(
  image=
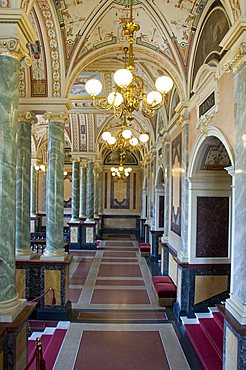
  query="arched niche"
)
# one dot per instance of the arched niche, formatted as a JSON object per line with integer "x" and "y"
{"x": 210, "y": 203}
{"x": 159, "y": 199}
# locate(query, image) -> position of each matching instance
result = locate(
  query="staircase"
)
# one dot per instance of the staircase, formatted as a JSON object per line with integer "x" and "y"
{"x": 206, "y": 335}
{"x": 51, "y": 338}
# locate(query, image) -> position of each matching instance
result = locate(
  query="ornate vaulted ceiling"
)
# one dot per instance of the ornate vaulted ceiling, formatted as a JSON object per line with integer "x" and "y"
{"x": 80, "y": 36}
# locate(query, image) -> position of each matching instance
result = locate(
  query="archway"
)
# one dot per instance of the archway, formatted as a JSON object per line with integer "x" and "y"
{"x": 210, "y": 210}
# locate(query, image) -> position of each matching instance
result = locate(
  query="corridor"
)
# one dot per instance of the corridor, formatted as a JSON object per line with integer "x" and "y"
{"x": 117, "y": 322}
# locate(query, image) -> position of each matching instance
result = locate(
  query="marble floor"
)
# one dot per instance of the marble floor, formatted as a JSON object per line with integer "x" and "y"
{"x": 117, "y": 322}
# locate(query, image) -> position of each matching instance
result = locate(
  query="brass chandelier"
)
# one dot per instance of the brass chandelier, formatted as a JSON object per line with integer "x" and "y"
{"x": 129, "y": 93}
{"x": 124, "y": 140}
{"x": 120, "y": 172}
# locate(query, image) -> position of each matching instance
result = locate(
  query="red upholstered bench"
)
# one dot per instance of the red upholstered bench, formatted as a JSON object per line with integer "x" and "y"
{"x": 144, "y": 249}
{"x": 161, "y": 279}
{"x": 165, "y": 289}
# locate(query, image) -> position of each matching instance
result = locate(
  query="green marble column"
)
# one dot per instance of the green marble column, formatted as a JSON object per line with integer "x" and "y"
{"x": 55, "y": 186}
{"x": 23, "y": 167}
{"x": 33, "y": 201}
{"x": 75, "y": 191}
{"x": 96, "y": 187}
{"x": 90, "y": 192}
{"x": 99, "y": 191}
{"x": 9, "y": 72}
{"x": 82, "y": 192}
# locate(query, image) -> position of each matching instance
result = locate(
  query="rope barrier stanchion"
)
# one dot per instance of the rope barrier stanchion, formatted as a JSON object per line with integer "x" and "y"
{"x": 38, "y": 355}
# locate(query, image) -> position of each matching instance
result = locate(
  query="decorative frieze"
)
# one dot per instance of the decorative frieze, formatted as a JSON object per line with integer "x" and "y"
{"x": 11, "y": 47}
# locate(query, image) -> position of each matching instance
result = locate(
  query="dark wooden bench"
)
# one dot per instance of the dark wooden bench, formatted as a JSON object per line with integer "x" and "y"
{"x": 165, "y": 290}
{"x": 144, "y": 249}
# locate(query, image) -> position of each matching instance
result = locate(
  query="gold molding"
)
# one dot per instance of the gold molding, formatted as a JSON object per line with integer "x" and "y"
{"x": 61, "y": 117}
{"x": 238, "y": 59}
{"x": 11, "y": 47}
{"x": 27, "y": 117}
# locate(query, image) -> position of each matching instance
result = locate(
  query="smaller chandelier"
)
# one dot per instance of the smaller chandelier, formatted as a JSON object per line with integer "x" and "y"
{"x": 124, "y": 140}
{"x": 129, "y": 94}
{"x": 120, "y": 172}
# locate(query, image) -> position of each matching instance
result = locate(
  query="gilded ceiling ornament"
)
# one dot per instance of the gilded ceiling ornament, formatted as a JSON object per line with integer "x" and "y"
{"x": 11, "y": 47}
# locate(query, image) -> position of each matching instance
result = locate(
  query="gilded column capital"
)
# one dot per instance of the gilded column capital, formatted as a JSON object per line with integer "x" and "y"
{"x": 11, "y": 47}
{"x": 237, "y": 60}
{"x": 27, "y": 117}
{"x": 61, "y": 117}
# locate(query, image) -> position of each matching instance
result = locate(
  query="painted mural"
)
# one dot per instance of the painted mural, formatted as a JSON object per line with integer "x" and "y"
{"x": 78, "y": 88}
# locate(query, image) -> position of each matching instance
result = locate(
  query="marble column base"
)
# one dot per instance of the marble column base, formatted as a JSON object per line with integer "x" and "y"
{"x": 25, "y": 255}
{"x": 10, "y": 309}
{"x": 37, "y": 277}
{"x": 237, "y": 309}
{"x": 75, "y": 234}
{"x": 88, "y": 235}
{"x": 54, "y": 258}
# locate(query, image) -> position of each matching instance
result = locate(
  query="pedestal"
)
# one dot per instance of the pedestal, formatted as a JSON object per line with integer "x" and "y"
{"x": 155, "y": 255}
{"x": 234, "y": 353}
{"x": 35, "y": 277}
{"x": 75, "y": 236}
{"x": 142, "y": 235}
{"x": 88, "y": 235}
{"x": 14, "y": 341}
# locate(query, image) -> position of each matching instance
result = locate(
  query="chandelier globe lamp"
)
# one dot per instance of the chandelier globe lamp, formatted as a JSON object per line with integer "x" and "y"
{"x": 129, "y": 94}
{"x": 124, "y": 140}
{"x": 120, "y": 172}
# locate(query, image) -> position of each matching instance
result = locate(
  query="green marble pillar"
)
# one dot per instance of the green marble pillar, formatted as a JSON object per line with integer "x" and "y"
{"x": 82, "y": 192}
{"x": 23, "y": 167}
{"x": 55, "y": 186}
{"x": 99, "y": 191}
{"x": 75, "y": 191}
{"x": 9, "y": 72}
{"x": 33, "y": 201}
{"x": 96, "y": 176}
{"x": 90, "y": 192}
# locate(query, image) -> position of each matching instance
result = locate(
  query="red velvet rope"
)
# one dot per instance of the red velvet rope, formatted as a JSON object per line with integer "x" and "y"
{"x": 53, "y": 301}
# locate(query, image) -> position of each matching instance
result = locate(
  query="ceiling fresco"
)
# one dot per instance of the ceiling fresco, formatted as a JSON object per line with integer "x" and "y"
{"x": 166, "y": 26}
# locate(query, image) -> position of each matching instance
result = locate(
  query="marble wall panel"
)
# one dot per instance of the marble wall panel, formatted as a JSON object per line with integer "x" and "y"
{"x": 209, "y": 286}
{"x": 231, "y": 350}
{"x": 52, "y": 279}
{"x": 173, "y": 267}
{"x": 212, "y": 226}
{"x": 21, "y": 283}
{"x": 125, "y": 223}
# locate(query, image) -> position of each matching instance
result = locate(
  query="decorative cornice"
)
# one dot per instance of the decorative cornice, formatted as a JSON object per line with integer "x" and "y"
{"x": 28, "y": 117}
{"x": 238, "y": 60}
{"x": 61, "y": 117}
{"x": 11, "y": 47}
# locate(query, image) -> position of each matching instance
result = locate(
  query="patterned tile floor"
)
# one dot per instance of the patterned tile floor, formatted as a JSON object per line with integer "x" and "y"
{"x": 118, "y": 323}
